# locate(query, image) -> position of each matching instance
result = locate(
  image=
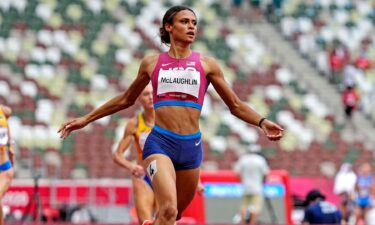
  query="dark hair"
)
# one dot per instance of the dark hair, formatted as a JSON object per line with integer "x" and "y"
{"x": 168, "y": 18}
{"x": 313, "y": 195}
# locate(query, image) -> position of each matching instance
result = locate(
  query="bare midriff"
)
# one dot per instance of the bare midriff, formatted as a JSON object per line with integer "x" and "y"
{"x": 178, "y": 119}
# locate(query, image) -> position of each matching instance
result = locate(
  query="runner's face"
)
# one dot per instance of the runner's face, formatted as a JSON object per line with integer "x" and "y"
{"x": 146, "y": 97}
{"x": 365, "y": 169}
{"x": 184, "y": 27}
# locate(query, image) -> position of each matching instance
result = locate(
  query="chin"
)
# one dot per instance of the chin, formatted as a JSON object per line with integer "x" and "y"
{"x": 189, "y": 41}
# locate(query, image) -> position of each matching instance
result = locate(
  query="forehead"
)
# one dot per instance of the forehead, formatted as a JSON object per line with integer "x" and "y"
{"x": 148, "y": 88}
{"x": 185, "y": 14}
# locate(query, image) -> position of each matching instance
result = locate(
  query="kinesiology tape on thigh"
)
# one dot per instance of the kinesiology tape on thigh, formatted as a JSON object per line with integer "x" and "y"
{"x": 152, "y": 169}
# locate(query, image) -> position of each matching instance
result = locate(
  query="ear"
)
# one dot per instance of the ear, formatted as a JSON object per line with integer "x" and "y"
{"x": 168, "y": 27}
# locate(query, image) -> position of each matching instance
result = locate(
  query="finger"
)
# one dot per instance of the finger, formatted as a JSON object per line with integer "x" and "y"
{"x": 63, "y": 131}
{"x": 280, "y": 128}
{"x": 64, "y": 125}
{"x": 276, "y": 134}
{"x": 61, "y": 128}
{"x": 66, "y": 133}
{"x": 277, "y": 138}
{"x": 276, "y": 127}
{"x": 279, "y": 135}
{"x": 274, "y": 137}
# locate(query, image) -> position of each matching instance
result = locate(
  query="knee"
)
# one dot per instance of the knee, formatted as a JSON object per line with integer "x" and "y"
{"x": 168, "y": 211}
{"x": 6, "y": 177}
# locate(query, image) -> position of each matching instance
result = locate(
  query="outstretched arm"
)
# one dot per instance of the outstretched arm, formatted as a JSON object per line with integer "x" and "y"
{"x": 114, "y": 105}
{"x": 237, "y": 107}
{"x": 118, "y": 156}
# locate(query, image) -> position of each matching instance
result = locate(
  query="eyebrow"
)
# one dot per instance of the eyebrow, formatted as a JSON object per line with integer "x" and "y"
{"x": 186, "y": 18}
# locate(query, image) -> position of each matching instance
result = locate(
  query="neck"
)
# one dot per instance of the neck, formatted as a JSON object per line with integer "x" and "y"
{"x": 149, "y": 116}
{"x": 179, "y": 51}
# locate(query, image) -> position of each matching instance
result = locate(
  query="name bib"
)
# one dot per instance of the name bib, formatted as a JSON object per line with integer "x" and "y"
{"x": 3, "y": 136}
{"x": 142, "y": 139}
{"x": 182, "y": 81}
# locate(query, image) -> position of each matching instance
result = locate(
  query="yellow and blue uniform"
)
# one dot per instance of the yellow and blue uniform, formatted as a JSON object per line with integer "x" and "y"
{"x": 4, "y": 139}
{"x": 141, "y": 134}
{"x": 3, "y": 130}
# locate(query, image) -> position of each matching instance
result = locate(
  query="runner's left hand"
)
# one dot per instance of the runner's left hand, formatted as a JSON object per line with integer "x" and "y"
{"x": 273, "y": 131}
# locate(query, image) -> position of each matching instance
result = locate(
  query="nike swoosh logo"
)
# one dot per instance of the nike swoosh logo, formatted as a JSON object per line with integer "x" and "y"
{"x": 166, "y": 64}
{"x": 197, "y": 143}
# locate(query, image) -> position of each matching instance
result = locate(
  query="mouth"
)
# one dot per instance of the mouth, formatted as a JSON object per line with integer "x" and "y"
{"x": 191, "y": 33}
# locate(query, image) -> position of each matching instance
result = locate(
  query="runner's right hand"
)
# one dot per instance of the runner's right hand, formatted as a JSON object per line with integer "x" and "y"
{"x": 71, "y": 125}
{"x": 138, "y": 171}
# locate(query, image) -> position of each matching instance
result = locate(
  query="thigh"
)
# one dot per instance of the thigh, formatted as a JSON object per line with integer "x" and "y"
{"x": 159, "y": 168}
{"x": 144, "y": 199}
{"x": 246, "y": 198}
{"x": 186, "y": 185}
{"x": 5, "y": 181}
{"x": 257, "y": 203}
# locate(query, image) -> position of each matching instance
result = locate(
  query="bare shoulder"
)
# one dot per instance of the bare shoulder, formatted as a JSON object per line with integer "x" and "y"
{"x": 149, "y": 62}
{"x": 210, "y": 65}
{"x": 6, "y": 110}
{"x": 150, "y": 59}
{"x": 131, "y": 125}
{"x": 208, "y": 60}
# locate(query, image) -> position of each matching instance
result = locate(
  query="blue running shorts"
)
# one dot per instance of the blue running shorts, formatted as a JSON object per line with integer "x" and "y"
{"x": 185, "y": 151}
{"x": 363, "y": 202}
{"x": 5, "y": 166}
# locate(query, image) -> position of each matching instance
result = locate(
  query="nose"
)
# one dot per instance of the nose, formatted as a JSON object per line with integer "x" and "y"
{"x": 191, "y": 25}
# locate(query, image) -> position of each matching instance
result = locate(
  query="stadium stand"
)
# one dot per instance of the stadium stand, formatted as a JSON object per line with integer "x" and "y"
{"x": 61, "y": 59}
{"x": 321, "y": 29}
